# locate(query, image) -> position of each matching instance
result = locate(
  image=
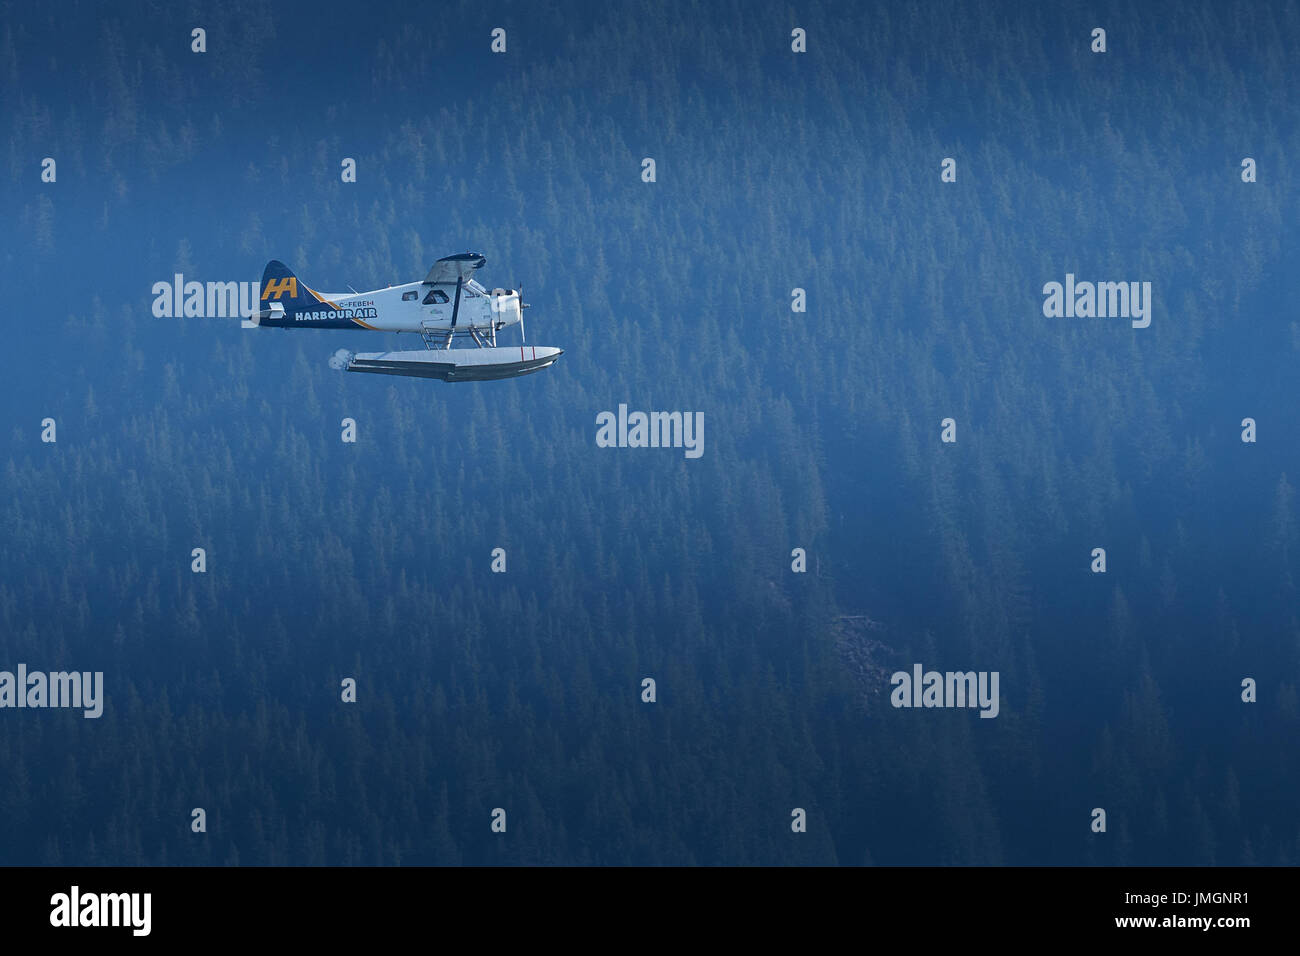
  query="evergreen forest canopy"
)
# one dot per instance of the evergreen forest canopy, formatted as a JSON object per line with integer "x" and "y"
{"x": 774, "y": 171}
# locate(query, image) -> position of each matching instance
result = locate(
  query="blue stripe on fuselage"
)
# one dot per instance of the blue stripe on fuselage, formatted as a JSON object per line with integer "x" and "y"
{"x": 323, "y": 317}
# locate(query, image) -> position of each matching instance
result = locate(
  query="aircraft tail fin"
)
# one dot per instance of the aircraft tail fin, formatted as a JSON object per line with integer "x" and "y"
{"x": 279, "y": 284}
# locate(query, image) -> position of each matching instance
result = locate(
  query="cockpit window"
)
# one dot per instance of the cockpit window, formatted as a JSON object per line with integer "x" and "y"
{"x": 436, "y": 296}
{"x": 410, "y": 296}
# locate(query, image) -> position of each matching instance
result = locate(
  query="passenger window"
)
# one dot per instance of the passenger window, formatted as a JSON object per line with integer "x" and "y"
{"x": 409, "y": 296}
{"x": 436, "y": 296}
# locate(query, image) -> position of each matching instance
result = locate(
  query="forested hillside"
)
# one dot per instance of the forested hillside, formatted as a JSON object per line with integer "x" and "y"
{"x": 774, "y": 171}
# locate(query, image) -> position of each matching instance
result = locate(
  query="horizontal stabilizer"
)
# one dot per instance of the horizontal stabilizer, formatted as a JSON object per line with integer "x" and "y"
{"x": 275, "y": 312}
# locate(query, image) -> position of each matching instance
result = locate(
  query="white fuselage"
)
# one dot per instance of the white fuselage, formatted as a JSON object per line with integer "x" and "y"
{"x": 419, "y": 307}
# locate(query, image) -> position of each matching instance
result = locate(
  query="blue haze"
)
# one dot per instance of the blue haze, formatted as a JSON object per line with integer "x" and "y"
{"x": 775, "y": 171}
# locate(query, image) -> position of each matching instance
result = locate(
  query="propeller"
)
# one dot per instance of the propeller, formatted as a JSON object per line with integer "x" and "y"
{"x": 522, "y": 337}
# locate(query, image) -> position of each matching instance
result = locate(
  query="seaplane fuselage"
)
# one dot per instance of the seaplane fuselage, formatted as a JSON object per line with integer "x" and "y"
{"x": 448, "y": 305}
{"x": 412, "y": 307}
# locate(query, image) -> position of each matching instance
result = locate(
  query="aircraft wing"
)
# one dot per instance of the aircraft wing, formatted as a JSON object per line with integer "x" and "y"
{"x": 450, "y": 268}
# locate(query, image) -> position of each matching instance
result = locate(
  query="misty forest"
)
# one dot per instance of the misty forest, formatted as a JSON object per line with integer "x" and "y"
{"x": 774, "y": 171}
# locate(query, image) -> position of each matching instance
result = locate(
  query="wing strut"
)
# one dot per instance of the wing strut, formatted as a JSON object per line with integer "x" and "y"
{"x": 455, "y": 309}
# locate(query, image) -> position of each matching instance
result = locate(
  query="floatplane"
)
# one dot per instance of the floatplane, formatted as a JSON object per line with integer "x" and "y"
{"x": 447, "y": 307}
